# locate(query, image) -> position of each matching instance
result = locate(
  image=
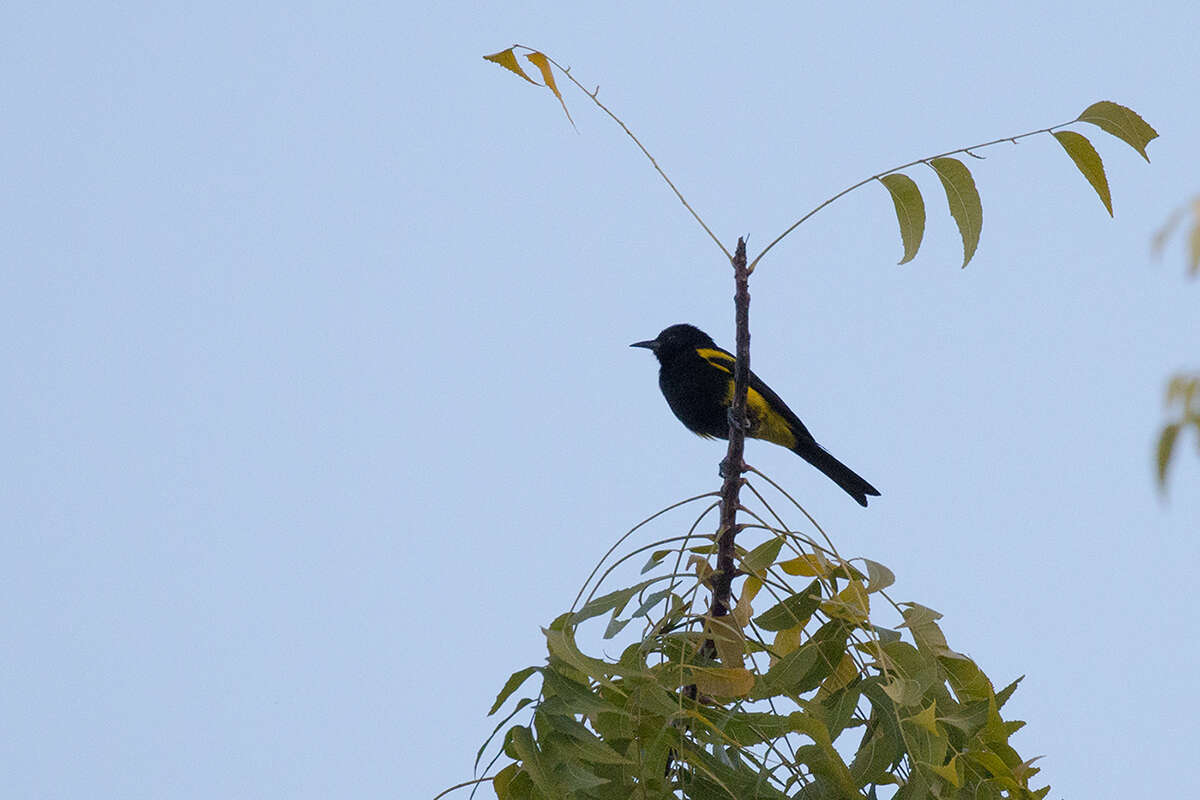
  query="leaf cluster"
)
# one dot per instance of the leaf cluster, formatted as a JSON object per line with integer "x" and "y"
{"x": 807, "y": 698}
{"x": 962, "y": 196}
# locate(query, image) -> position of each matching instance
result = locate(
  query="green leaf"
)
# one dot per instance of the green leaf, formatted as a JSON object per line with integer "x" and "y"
{"x": 1123, "y": 123}
{"x": 1088, "y": 160}
{"x": 613, "y": 601}
{"x": 762, "y": 556}
{"x": 615, "y": 626}
{"x": 879, "y": 576}
{"x": 655, "y": 559}
{"x": 1166, "y": 443}
{"x": 652, "y": 599}
{"x": 963, "y": 199}
{"x": 503, "y": 781}
{"x": 585, "y": 743}
{"x": 532, "y": 762}
{"x": 524, "y": 701}
{"x": 792, "y": 610}
{"x": 875, "y": 757}
{"x": 1005, "y": 693}
{"x": 788, "y": 671}
{"x": 511, "y": 685}
{"x": 910, "y": 212}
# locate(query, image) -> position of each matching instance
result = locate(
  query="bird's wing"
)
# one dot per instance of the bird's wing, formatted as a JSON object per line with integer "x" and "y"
{"x": 724, "y": 361}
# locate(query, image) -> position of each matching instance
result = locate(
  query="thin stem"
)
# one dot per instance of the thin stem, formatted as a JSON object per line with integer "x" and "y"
{"x": 879, "y": 175}
{"x": 645, "y": 152}
{"x": 462, "y": 785}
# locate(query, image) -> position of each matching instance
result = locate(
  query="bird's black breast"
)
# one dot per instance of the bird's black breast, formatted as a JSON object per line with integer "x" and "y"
{"x": 697, "y": 393}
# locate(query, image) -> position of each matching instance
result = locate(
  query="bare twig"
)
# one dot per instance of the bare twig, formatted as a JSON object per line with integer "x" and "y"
{"x": 594, "y": 97}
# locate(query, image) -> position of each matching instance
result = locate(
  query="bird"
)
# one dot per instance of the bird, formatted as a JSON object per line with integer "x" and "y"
{"x": 696, "y": 378}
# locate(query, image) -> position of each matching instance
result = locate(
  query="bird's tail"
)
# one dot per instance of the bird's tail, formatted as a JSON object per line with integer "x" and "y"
{"x": 836, "y": 471}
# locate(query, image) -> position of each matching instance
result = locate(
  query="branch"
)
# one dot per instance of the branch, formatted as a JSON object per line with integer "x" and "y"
{"x": 733, "y": 465}
{"x": 642, "y": 147}
{"x": 879, "y": 175}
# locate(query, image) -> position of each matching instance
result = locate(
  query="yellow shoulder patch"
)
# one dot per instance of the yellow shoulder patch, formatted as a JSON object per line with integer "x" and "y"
{"x": 719, "y": 359}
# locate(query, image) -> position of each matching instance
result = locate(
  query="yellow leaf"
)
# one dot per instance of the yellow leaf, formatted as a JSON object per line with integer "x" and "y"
{"x": 926, "y": 719}
{"x": 1160, "y": 237}
{"x": 508, "y": 60}
{"x": 729, "y": 640}
{"x": 1194, "y": 244}
{"x": 910, "y": 212}
{"x": 845, "y": 672}
{"x": 851, "y": 603}
{"x": 703, "y": 568}
{"x": 1121, "y": 122}
{"x": 963, "y": 199}
{"x": 539, "y": 60}
{"x": 1088, "y": 160}
{"x": 809, "y": 564}
{"x": 948, "y": 771}
{"x": 786, "y": 642}
{"x": 723, "y": 681}
{"x": 1166, "y": 443}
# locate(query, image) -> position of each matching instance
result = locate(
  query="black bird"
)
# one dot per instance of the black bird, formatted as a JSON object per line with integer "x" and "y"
{"x": 696, "y": 377}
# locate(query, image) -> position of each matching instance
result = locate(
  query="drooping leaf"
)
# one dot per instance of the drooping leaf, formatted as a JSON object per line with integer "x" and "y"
{"x": 1159, "y": 240}
{"x": 724, "y": 681}
{"x": 762, "y": 556}
{"x": 511, "y": 685}
{"x": 792, "y": 610}
{"x": 613, "y": 601}
{"x": 652, "y": 599}
{"x": 615, "y": 625}
{"x": 1194, "y": 243}
{"x": 910, "y": 212}
{"x": 540, "y": 61}
{"x": 524, "y": 701}
{"x": 1121, "y": 122}
{"x": 502, "y": 783}
{"x": 852, "y": 603}
{"x": 1166, "y": 443}
{"x": 508, "y": 60}
{"x": 588, "y": 743}
{"x": 963, "y": 199}
{"x": 1088, "y": 160}
{"x": 655, "y": 559}
{"x": 879, "y": 576}
{"x": 533, "y": 763}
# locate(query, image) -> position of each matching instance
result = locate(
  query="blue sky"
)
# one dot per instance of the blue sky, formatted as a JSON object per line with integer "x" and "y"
{"x": 319, "y": 400}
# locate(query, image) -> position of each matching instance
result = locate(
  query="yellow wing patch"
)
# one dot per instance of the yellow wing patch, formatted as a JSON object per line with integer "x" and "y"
{"x": 765, "y": 423}
{"x": 718, "y": 358}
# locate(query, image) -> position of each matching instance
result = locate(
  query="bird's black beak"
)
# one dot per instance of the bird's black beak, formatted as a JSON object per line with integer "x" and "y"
{"x": 649, "y": 344}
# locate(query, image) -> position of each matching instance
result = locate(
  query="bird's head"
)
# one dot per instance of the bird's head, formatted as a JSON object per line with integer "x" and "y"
{"x": 674, "y": 340}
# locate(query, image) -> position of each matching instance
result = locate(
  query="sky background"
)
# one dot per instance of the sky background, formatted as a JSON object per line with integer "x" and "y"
{"x": 319, "y": 402}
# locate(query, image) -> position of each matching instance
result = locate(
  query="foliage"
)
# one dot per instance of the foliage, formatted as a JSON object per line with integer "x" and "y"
{"x": 962, "y": 196}
{"x": 807, "y": 698}
{"x": 1182, "y": 391}
{"x": 1192, "y": 236}
{"x": 812, "y": 697}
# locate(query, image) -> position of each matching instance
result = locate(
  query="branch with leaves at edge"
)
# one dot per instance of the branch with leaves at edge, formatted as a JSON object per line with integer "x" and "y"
{"x": 961, "y": 194}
